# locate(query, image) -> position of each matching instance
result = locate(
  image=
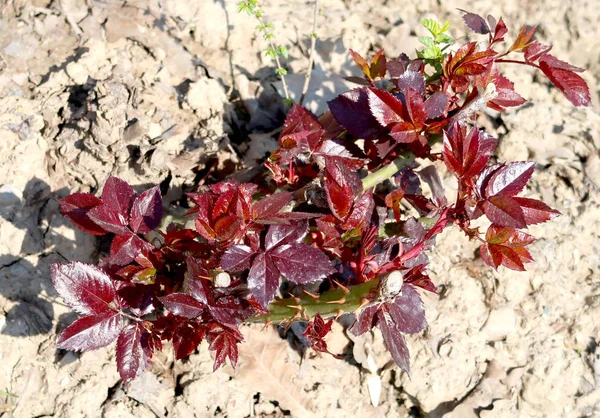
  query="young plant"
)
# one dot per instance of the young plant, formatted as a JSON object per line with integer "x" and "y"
{"x": 338, "y": 223}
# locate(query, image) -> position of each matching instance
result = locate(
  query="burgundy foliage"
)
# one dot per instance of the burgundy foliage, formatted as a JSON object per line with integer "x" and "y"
{"x": 311, "y": 223}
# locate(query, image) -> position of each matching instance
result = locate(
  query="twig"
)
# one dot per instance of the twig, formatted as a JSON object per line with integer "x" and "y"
{"x": 281, "y": 70}
{"x": 311, "y": 55}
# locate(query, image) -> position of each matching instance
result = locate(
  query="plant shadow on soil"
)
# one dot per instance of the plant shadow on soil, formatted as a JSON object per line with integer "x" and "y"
{"x": 22, "y": 282}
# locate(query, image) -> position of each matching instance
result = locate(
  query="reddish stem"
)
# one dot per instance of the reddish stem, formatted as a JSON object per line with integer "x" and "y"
{"x": 531, "y": 64}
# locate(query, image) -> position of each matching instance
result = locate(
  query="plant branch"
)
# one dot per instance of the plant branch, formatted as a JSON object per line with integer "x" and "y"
{"x": 311, "y": 55}
{"x": 531, "y": 64}
{"x": 328, "y": 304}
{"x": 388, "y": 171}
{"x": 281, "y": 71}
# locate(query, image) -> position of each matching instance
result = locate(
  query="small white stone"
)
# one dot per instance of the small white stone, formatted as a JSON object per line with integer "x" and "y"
{"x": 222, "y": 279}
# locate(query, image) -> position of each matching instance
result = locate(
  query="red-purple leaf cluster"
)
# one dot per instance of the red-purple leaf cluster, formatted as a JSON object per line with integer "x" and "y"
{"x": 323, "y": 219}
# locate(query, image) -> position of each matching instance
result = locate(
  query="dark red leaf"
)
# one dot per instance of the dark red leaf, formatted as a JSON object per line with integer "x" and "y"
{"x": 384, "y": 107}
{"x": 506, "y": 246}
{"x": 505, "y": 211}
{"x": 76, "y": 207}
{"x": 270, "y": 205}
{"x": 263, "y": 279}
{"x": 507, "y": 96}
{"x": 186, "y": 338}
{"x": 301, "y": 263}
{"x": 364, "y": 321}
{"x": 147, "y": 211}
{"x": 475, "y": 22}
{"x": 117, "y": 195}
{"x": 417, "y": 277}
{"x": 125, "y": 248}
{"x": 91, "y": 332}
{"x": 393, "y": 340}
{"x": 378, "y": 65}
{"x": 407, "y": 311}
{"x": 509, "y": 179}
{"x": 139, "y": 298}
{"x": 278, "y": 235}
{"x": 132, "y": 353}
{"x": 352, "y": 111}
{"x": 315, "y": 333}
{"x": 536, "y": 212}
{"x": 237, "y": 258}
{"x": 109, "y": 219}
{"x": 435, "y": 105}
{"x": 467, "y": 155}
{"x": 224, "y": 343}
{"x": 536, "y": 50}
{"x": 182, "y": 304}
{"x": 85, "y": 288}
{"x": 499, "y": 31}
{"x": 361, "y": 212}
{"x": 341, "y": 186}
{"x": 563, "y": 76}
{"x": 416, "y": 107}
{"x": 411, "y": 80}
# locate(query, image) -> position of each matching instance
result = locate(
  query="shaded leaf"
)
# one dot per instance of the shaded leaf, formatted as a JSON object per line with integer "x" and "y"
{"x": 147, "y": 211}
{"x": 475, "y": 22}
{"x": 364, "y": 321}
{"x": 76, "y": 207}
{"x": 352, "y": 111}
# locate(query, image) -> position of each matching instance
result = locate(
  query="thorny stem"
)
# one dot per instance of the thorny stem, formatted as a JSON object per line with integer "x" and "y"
{"x": 388, "y": 171}
{"x": 313, "y": 41}
{"x": 328, "y": 304}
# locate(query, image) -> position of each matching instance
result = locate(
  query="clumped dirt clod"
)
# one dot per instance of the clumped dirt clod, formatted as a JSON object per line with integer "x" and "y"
{"x": 167, "y": 92}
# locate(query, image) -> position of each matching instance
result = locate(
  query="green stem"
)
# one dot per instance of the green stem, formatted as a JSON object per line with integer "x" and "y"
{"x": 328, "y": 304}
{"x": 388, "y": 171}
{"x": 392, "y": 168}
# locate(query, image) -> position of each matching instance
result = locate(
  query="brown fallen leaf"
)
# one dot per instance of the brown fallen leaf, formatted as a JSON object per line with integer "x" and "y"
{"x": 265, "y": 364}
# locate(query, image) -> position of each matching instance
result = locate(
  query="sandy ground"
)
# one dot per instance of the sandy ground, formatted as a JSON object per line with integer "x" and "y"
{"x": 173, "y": 92}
